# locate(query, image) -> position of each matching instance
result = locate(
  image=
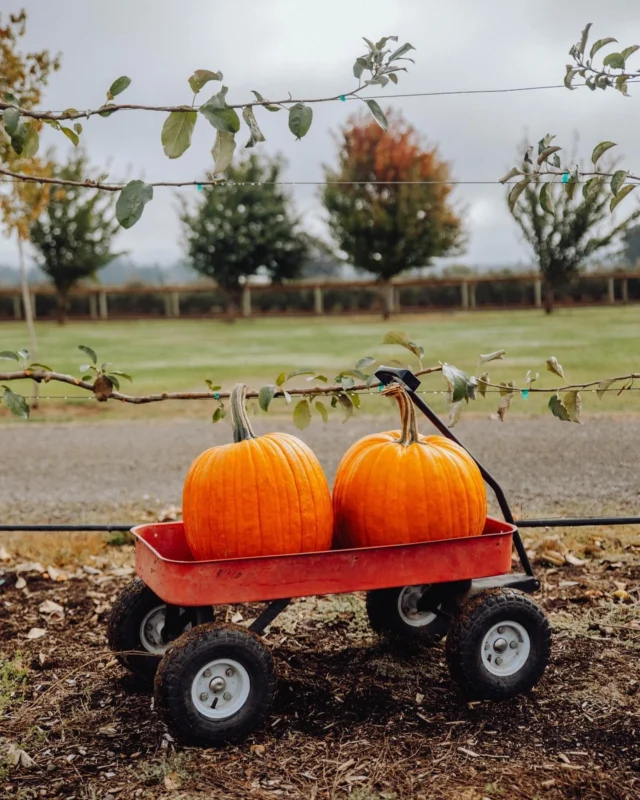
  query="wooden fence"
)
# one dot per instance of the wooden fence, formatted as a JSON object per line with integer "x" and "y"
{"x": 330, "y": 297}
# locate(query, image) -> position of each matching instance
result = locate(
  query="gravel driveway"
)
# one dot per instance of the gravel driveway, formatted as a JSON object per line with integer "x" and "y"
{"x": 106, "y": 472}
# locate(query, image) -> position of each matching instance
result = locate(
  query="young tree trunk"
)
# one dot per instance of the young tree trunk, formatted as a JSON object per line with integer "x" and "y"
{"x": 386, "y": 296}
{"x": 234, "y": 303}
{"x": 548, "y": 300}
{"x": 28, "y": 315}
{"x": 62, "y": 302}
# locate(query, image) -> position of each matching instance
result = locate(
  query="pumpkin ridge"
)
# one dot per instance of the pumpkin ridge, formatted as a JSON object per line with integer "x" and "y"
{"x": 300, "y": 478}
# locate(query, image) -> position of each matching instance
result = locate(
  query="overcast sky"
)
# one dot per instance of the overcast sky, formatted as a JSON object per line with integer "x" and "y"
{"x": 308, "y": 48}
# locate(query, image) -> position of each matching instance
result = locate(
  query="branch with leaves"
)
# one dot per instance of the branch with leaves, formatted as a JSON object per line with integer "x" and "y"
{"x": 103, "y": 382}
{"x": 547, "y": 167}
{"x": 378, "y": 66}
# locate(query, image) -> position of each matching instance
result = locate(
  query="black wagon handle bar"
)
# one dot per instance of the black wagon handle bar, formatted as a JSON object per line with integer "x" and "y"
{"x": 410, "y": 383}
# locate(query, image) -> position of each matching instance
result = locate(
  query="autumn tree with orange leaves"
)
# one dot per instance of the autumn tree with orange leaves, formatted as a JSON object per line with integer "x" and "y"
{"x": 386, "y": 228}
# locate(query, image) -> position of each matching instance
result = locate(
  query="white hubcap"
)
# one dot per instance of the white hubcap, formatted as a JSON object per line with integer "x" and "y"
{"x": 408, "y": 607}
{"x": 505, "y": 648}
{"x": 220, "y": 688}
{"x": 151, "y": 629}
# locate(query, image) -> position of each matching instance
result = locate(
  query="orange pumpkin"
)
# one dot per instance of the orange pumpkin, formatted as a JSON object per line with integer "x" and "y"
{"x": 261, "y": 495}
{"x": 400, "y": 487}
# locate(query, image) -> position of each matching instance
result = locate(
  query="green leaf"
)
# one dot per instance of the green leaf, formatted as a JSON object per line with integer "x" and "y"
{"x": 11, "y": 120}
{"x": 382, "y": 42}
{"x": 405, "y": 48}
{"x": 321, "y": 378}
{"x": 86, "y": 367}
{"x": 121, "y": 375}
{"x": 600, "y": 44}
{"x": 212, "y": 388}
{"x": 629, "y": 51}
{"x": 345, "y": 402}
{"x": 621, "y": 84}
{"x": 300, "y": 118}
{"x": 354, "y": 373}
{"x": 40, "y": 366}
{"x": 498, "y": 355}
{"x": 457, "y": 380}
{"x": 219, "y": 414}
{"x": 177, "y": 131}
{"x": 118, "y": 86}
{"x": 558, "y": 408}
{"x": 131, "y": 202}
{"x": 529, "y": 379}
{"x": 506, "y": 396}
{"x": 201, "y": 77}
{"x": 570, "y": 75}
{"x": 282, "y": 377}
{"x": 216, "y": 111}
{"x": 11, "y": 98}
{"x": 570, "y": 187}
{"x": 547, "y": 152}
{"x": 91, "y": 353}
{"x": 617, "y": 180}
{"x": 71, "y": 135}
{"x": 359, "y": 67}
{"x": 393, "y": 78}
{"x": 622, "y": 193}
{"x": 222, "y": 151}
{"x": 513, "y": 173}
{"x": 600, "y": 149}
{"x": 16, "y": 403}
{"x": 265, "y": 103}
{"x": 401, "y": 338}
{"x": 590, "y": 187}
{"x": 114, "y": 381}
{"x": 287, "y": 396}
{"x": 365, "y": 362}
{"x": 483, "y": 380}
{"x": 545, "y": 199}
{"x": 553, "y": 366}
{"x": 10, "y": 355}
{"x": 302, "y": 415}
{"x": 378, "y": 114}
{"x": 24, "y": 354}
{"x": 31, "y": 142}
{"x": 584, "y": 38}
{"x": 265, "y": 396}
{"x": 256, "y": 134}
{"x": 103, "y": 113}
{"x": 603, "y": 386}
{"x": 322, "y": 410}
{"x": 355, "y": 399}
{"x": 614, "y": 61}
{"x": 515, "y": 193}
{"x": 573, "y": 404}
{"x": 77, "y": 127}
{"x": 297, "y": 372}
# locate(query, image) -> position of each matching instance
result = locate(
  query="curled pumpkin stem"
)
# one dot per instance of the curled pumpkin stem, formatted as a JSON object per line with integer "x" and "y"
{"x": 242, "y": 429}
{"x": 409, "y": 433}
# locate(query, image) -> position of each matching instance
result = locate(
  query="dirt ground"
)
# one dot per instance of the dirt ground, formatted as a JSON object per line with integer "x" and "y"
{"x": 354, "y": 716}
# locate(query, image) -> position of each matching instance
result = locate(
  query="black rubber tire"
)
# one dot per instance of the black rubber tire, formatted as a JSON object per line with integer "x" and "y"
{"x": 385, "y": 619}
{"x": 134, "y": 602}
{"x": 465, "y": 637}
{"x": 179, "y": 667}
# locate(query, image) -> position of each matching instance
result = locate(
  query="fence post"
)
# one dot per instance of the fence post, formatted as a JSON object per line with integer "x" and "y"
{"x": 167, "y": 306}
{"x": 246, "y": 302}
{"x": 318, "y": 300}
{"x": 611, "y": 289}
{"x": 537, "y": 293}
{"x": 472, "y": 295}
{"x": 102, "y": 305}
{"x": 464, "y": 290}
{"x": 17, "y": 306}
{"x": 33, "y": 305}
{"x": 625, "y": 290}
{"x": 175, "y": 304}
{"x": 396, "y": 299}
{"x": 93, "y": 306}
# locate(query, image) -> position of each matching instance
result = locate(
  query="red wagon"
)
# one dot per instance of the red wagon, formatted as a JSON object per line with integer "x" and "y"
{"x": 215, "y": 682}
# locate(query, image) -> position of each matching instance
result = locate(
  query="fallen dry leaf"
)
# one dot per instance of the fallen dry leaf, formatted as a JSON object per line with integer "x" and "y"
{"x": 29, "y": 566}
{"x": 57, "y": 574}
{"x": 621, "y": 596}
{"x": 50, "y": 607}
{"x": 15, "y": 756}
{"x": 4, "y": 554}
{"x": 108, "y": 730}
{"x": 574, "y": 560}
{"x": 552, "y": 557}
{"x": 36, "y": 633}
{"x": 20, "y": 583}
{"x": 172, "y": 781}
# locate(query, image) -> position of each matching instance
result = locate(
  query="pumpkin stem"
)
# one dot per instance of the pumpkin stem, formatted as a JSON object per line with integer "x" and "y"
{"x": 239, "y": 419}
{"x": 409, "y": 433}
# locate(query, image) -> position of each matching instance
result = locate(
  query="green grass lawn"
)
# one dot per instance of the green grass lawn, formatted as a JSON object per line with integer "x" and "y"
{"x": 170, "y": 355}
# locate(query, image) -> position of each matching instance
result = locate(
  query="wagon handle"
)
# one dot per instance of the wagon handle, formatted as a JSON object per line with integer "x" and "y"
{"x": 410, "y": 383}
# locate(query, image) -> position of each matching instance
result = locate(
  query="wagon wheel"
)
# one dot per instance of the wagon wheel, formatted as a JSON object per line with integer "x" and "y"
{"x": 215, "y": 684}
{"x": 136, "y": 624}
{"x": 394, "y": 613}
{"x": 499, "y": 645}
